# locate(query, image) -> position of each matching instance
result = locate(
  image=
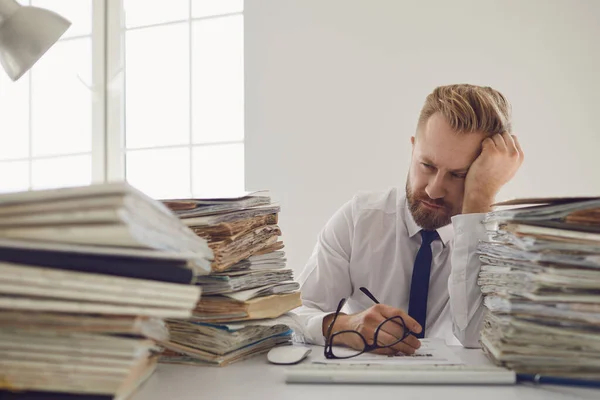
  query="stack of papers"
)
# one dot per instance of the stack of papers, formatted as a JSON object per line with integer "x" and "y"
{"x": 112, "y": 218}
{"x": 230, "y": 282}
{"x": 222, "y": 344}
{"x": 87, "y": 277}
{"x": 541, "y": 279}
{"x": 190, "y": 208}
{"x": 249, "y": 280}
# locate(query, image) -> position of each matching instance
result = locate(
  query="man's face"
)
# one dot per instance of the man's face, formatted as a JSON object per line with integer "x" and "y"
{"x": 436, "y": 180}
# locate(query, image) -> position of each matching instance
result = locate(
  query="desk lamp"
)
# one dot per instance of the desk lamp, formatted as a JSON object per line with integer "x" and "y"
{"x": 26, "y": 33}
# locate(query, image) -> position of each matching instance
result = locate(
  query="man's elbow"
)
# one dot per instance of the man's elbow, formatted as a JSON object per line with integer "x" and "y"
{"x": 470, "y": 334}
{"x": 469, "y": 338}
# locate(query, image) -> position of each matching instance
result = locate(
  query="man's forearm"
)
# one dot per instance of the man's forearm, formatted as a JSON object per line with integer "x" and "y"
{"x": 476, "y": 203}
{"x": 326, "y": 322}
{"x": 329, "y": 319}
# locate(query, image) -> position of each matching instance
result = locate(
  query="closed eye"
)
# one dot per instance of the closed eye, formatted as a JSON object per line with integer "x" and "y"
{"x": 428, "y": 166}
{"x": 459, "y": 176}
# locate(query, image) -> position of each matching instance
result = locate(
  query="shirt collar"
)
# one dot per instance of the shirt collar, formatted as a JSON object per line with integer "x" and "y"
{"x": 446, "y": 232}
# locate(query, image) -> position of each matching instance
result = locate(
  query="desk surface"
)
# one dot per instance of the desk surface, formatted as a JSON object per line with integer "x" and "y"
{"x": 256, "y": 379}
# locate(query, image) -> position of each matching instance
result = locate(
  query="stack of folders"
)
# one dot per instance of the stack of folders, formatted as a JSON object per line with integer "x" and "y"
{"x": 541, "y": 281}
{"x": 249, "y": 290}
{"x": 87, "y": 277}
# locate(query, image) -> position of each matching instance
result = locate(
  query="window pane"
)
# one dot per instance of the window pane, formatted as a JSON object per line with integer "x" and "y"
{"x": 61, "y": 103}
{"x": 61, "y": 172}
{"x": 79, "y": 12}
{"x": 218, "y": 170}
{"x": 15, "y": 176}
{"x": 218, "y": 80}
{"x": 205, "y": 8}
{"x": 14, "y": 117}
{"x": 144, "y": 12}
{"x": 157, "y": 86}
{"x": 160, "y": 173}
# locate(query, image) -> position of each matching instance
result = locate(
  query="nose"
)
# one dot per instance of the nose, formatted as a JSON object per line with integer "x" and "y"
{"x": 435, "y": 188}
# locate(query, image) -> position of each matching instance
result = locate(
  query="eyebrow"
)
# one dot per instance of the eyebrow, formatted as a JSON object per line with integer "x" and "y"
{"x": 456, "y": 171}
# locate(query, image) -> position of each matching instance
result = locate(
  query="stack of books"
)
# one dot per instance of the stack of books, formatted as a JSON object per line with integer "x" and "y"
{"x": 249, "y": 289}
{"x": 541, "y": 281}
{"x": 87, "y": 277}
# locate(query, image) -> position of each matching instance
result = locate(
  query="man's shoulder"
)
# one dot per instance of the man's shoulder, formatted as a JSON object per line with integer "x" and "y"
{"x": 388, "y": 201}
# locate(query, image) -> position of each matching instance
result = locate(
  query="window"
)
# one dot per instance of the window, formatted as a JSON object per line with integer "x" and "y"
{"x": 46, "y": 116}
{"x": 147, "y": 91}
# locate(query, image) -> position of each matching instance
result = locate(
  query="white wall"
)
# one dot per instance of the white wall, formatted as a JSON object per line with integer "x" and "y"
{"x": 334, "y": 87}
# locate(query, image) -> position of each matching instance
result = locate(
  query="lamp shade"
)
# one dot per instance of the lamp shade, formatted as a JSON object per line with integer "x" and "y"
{"x": 26, "y": 33}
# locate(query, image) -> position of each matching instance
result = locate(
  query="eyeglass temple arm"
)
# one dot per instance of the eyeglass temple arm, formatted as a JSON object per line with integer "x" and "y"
{"x": 337, "y": 312}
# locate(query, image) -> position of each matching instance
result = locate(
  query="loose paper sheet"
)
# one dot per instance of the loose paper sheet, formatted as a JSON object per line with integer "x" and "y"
{"x": 432, "y": 351}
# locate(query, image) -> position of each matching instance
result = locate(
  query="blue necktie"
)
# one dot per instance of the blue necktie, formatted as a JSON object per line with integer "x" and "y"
{"x": 419, "y": 286}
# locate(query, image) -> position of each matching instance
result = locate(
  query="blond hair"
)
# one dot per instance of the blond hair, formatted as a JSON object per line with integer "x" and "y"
{"x": 469, "y": 108}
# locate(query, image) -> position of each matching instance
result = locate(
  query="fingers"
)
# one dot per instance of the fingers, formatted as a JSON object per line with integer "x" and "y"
{"x": 385, "y": 339}
{"x": 504, "y": 142}
{"x": 499, "y": 142}
{"x": 385, "y": 351}
{"x": 519, "y": 149}
{"x": 389, "y": 312}
{"x": 395, "y": 328}
{"x": 403, "y": 348}
{"x": 366, "y": 324}
{"x": 511, "y": 146}
{"x": 488, "y": 143}
{"x": 412, "y": 341}
{"x": 514, "y": 147}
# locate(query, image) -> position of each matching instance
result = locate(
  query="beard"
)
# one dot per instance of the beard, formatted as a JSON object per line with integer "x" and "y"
{"x": 427, "y": 218}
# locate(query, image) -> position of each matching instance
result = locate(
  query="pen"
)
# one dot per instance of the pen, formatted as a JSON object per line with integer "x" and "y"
{"x": 557, "y": 380}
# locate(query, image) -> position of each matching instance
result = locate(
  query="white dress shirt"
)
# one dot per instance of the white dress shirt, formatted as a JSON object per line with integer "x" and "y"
{"x": 372, "y": 241}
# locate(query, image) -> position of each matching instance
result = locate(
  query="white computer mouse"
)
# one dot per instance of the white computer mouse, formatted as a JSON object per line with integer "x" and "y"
{"x": 287, "y": 355}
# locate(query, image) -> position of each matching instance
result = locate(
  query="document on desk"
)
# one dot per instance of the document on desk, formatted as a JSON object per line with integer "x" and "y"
{"x": 432, "y": 351}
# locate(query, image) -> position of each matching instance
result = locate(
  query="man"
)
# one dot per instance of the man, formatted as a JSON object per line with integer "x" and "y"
{"x": 416, "y": 251}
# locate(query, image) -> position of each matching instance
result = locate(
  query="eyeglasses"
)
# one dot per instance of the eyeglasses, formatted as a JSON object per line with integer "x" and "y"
{"x": 335, "y": 344}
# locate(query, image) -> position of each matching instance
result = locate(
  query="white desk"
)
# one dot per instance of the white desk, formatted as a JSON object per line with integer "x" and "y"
{"x": 256, "y": 379}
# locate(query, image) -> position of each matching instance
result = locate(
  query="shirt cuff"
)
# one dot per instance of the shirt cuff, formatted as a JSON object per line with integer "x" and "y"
{"x": 314, "y": 329}
{"x": 469, "y": 224}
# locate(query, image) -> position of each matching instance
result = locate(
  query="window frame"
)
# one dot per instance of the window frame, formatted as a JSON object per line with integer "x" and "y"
{"x": 108, "y": 93}
{"x": 115, "y": 153}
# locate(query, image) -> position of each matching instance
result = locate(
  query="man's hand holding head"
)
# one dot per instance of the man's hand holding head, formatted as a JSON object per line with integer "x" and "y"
{"x": 500, "y": 158}
{"x": 463, "y": 153}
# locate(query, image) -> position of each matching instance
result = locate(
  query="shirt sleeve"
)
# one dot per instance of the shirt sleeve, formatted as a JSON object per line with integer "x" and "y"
{"x": 325, "y": 279}
{"x": 466, "y": 300}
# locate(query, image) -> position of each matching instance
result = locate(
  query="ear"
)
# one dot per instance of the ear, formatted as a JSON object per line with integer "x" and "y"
{"x": 412, "y": 141}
